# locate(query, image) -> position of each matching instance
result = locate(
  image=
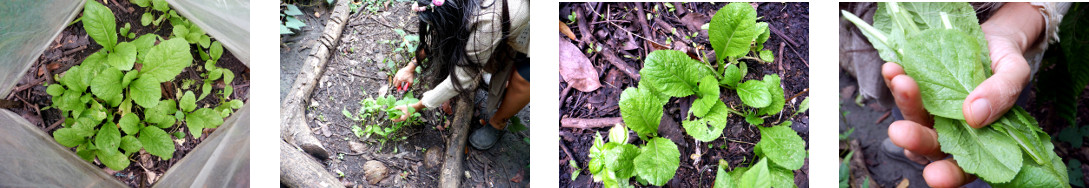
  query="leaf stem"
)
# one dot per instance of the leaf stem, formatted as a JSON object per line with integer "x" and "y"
{"x": 865, "y": 27}
{"x": 754, "y": 59}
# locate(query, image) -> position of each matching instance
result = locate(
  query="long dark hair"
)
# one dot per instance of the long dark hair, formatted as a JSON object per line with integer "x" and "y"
{"x": 444, "y": 32}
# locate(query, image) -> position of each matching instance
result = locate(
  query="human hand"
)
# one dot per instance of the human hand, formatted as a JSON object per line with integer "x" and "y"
{"x": 403, "y": 79}
{"x": 405, "y": 113}
{"x": 1007, "y": 35}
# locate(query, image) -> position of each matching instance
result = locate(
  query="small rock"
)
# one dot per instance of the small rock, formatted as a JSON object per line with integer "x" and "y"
{"x": 433, "y": 157}
{"x": 374, "y": 171}
{"x": 357, "y": 147}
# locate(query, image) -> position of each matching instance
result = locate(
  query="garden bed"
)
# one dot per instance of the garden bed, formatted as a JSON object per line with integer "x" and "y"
{"x": 73, "y": 45}
{"x": 788, "y": 41}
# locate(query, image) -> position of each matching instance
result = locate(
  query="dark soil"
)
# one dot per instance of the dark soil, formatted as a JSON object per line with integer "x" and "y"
{"x": 789, "y": 41}
{"x": 73, "y": 45}
{"x": 358, "y": 70}
{"x": 296, "y": 47}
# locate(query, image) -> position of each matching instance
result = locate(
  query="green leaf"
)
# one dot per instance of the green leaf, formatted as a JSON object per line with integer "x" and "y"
{"x": 141, "y": 3}
{"x": 68, "y": 137}
{"x": 757, "y": 176}
{"x": 107, "y": 84}
{"x": 130, "y": 123}
{"x": 765, "y": 33}
{"x": 803, "y": 107}
{"x": 292, "y": 10}
{"x": 200, "y": 119}
{"x": 166, "y": 60}
{"x": 99, "y": 23}
{"x": 143, "y": 44}
{"x": 672, "y": 73}
{"x": 619, "y": 159}
{"x": 698, "y": 130}
{"x": 709, "y": 93}
{"x": 766, "y": 56}
{"x": 160, "y": 115}
{"x": 216, "y": 50}
{"x": 108, "y": 139}
{"x": 781, "y": 177}
{"x": 188, "y": 101}
{"x": 732, "y": 76}
{"x": 146, "y": 92}
{"x": 945, "y": 68}
{"x": 778, "y": 99}
{"x": 754, "y": 93}
{"x": 146, "y": 18}
{"x": 618, "y": 134}
{"x": 658, "y": 161}
{"x": 984, "y": 152}
{"x": 284, "y": 30}
{"x": 753, "y": 119}
{"x": 55, "y": 90}
{"x": 732, "y": 30}
{"x": 1050, "y": 174}
{"x": 723, "y": 179}
{"x": 160, "y": 5}
{"x": 129, "y": 76}
{"x": 293, "y": 23}
{"x": 641, "y": 110}
{"x": 782, "y": 146}
{"x": 123, "y": 56}
{"x": 157, "y": 142}
{"x": 113, "y": 159}
{"x": 130, "y": 144}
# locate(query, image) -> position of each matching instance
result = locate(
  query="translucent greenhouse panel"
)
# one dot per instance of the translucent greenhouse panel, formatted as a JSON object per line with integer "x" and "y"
{"x": 26, "y": 28}
{"x": 225, "y": 20}
{"x": 30, "y": 158}
{"x": 221, "y": 160}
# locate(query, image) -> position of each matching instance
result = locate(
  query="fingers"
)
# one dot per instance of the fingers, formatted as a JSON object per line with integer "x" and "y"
{"x": 997, "y": 94}
{"x": 945, "y": 173}
{"x": 917, "y": 139}
{"x": 906, "y": 93}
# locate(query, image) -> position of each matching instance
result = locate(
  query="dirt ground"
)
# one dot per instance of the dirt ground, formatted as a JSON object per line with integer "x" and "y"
{"x": 789, "y": 42}
{"x": 73, "y": 45}
{"x": 357, "y": 71}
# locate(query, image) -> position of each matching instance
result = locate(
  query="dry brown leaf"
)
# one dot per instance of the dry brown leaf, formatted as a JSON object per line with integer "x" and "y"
{"x": 903, "y": 183}
{"x": 566, "y": 31}
{"x": 576, "y": 69}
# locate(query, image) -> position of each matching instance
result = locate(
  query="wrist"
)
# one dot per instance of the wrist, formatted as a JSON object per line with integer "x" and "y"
{"x": 418, "y": 106}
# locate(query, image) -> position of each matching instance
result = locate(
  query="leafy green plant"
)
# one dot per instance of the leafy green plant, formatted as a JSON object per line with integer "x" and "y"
{"x": 369, "y": 111}
{"x": 670, "y": 73}
{"x": 109, "y": 104}
{"x": 288, "y": 21}
{"x": 941, "y": 45}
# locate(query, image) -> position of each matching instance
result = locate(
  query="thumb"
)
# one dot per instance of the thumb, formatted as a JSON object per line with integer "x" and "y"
{"x": 997, "y": 94}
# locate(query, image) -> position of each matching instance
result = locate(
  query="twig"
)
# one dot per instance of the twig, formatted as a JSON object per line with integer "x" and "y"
{"x": 801, "y": 58}
{"x": 781, "y": 35}
{"x": 806, "y": 90}
{"x": 738, "y": 141}
{"x": 883, "y": 117}
{"x": 583, "y": 123}
{"x": 619, "y": 63}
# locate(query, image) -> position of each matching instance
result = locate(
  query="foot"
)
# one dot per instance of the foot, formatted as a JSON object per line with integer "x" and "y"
{"x": 485, "y": 137}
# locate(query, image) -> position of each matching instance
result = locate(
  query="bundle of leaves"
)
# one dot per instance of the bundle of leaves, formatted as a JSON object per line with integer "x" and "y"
{"x": 369, "y": 111}
{"x": 734, "y": 34}
{"x": 124, "y": 81}
{"x": 941, "y": 45}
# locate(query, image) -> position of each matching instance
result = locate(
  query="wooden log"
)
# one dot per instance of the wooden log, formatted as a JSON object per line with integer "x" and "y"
{"x": 584, "y": 123}
{"x": 294, "y": 128}
{"x": 299, "y": 170}
{"x": 452, "y": 167}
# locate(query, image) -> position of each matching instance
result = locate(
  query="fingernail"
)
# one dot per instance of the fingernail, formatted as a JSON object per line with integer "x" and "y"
{"x": 981, "y": 109}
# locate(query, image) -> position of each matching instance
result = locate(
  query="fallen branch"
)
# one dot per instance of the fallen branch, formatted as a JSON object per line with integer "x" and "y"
{"x": 299, "y": 170}
{"x": 452, "y": 167}
{"x": 619, "y": 63}
{"x": 294, "y": 129}
{"x": 583, "y": 123}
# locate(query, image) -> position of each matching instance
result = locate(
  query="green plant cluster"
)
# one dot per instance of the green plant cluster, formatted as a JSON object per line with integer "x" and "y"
{"x": 734, "y": 33}
{"x": 123, "y": 107}
{"x": 288, "y": 21}
{"x": 941, "y": 45}
{"x": 371, "y": 110}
